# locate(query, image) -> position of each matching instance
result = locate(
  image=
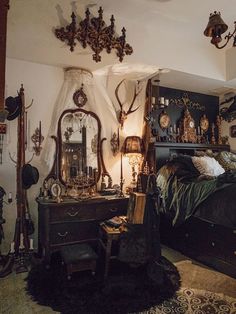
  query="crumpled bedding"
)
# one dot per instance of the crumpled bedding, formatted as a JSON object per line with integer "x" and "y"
{"x": 212, "y": 199}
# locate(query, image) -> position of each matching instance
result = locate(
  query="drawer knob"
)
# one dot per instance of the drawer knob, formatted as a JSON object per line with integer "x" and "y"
{"x": 62, "y": 235}
{"x": 234, "y": 231}
{"x": 72, "y": 214}
{"x": 212, "y": 243}
{"x": 113, "y": 210}
{"x": 234, "y": 252}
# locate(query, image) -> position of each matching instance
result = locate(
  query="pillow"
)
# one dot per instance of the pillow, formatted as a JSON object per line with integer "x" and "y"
{"x": 185, "y": 169}
{"x": 227, "y": 160}
{"x": 208, "y": 166}
{"x": 207, "y": 152}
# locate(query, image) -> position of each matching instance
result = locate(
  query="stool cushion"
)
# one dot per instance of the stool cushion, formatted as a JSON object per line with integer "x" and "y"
{"x": 77, "y": 252}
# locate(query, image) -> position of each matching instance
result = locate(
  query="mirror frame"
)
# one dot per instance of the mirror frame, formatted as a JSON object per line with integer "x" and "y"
{"x": 55, "y": 172}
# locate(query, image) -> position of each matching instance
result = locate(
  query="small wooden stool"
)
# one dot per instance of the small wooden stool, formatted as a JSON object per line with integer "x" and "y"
{"x": 78, "y": 257}
{"x": 107, "y": 236}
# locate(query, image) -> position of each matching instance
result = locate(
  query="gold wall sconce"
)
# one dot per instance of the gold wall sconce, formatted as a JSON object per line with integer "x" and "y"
{"x": 94, "y": 32}
{"x": 37, "y": 139}
{"x": 216, "y": 27}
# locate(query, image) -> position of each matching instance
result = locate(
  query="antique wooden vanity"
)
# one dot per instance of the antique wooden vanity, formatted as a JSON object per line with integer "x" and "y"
{"x": 71, "y": 210}
{"x": 72, "y": 221}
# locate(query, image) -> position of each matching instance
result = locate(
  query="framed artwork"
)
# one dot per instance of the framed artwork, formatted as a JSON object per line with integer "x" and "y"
{"x": 233, "y": 131}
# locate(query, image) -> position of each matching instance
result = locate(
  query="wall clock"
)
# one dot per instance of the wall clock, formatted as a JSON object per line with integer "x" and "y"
{"x": 187, "y": 128}
{"x": 204, "y": 123}
{"x": 164, "y": 120}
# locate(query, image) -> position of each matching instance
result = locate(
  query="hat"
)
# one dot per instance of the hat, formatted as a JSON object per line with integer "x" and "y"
{"x": 29, "y": 175}
{"x": 13, "y": 106}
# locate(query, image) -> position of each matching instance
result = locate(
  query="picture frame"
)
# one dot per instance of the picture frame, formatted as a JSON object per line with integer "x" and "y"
{"x": 233, "y": 131}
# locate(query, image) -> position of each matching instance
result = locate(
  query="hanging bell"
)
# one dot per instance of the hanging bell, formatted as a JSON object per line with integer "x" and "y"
{"x": 215, "y": 28}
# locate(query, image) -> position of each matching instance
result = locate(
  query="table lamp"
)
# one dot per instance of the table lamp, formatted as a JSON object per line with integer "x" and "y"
{"x": 133, "y": 149}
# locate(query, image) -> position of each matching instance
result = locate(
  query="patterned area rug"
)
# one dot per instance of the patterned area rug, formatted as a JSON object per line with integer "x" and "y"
{"x": 193, "y": 301}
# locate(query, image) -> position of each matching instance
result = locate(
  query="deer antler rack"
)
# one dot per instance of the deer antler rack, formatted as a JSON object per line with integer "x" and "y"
{"x": 122, "y": 114}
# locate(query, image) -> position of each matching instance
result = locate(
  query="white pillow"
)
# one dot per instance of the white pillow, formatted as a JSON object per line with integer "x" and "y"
{"x": 208, "y": 166}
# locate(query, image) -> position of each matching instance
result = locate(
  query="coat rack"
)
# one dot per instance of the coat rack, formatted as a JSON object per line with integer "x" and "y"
{"x": 22, "y": 246}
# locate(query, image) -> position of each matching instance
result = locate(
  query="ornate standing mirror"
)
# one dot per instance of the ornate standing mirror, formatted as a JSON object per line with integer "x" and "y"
{"x": 78, "y": 161}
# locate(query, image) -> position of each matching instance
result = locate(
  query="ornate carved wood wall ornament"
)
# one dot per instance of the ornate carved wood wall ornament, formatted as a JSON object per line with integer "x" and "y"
{"x": 95, "y": 33}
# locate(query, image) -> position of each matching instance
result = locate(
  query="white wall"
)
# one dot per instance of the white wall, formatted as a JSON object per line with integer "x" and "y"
{"x": 42, "y": 84}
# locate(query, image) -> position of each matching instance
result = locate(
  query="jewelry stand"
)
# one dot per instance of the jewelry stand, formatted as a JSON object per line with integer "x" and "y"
{"x": 21, "y": 247}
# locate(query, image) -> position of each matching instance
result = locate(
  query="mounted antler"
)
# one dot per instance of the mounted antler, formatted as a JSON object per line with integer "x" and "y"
{"x": 122, "y": 113}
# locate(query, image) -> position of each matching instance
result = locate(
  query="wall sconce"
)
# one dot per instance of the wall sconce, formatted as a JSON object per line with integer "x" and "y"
{"x": 95, "y": 33}
{"x": 216, "y": 27}
{"x": 37, "y": 139}
{"x": 115, "y": 143}
{"x": 133, "y": 149}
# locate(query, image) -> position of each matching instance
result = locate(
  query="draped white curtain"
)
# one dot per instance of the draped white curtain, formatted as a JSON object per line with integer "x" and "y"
{"x": 100, "y": 91}
{"x": 73, "y": 79}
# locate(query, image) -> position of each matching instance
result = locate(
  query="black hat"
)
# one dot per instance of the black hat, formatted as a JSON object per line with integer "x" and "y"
{"x": 29, "y": 175}
{"x": 13, "y": 106}
{"x": 2, "y": 192}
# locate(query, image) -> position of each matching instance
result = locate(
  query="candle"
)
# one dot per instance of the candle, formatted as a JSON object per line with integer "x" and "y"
{"x": 162, "y": 100}
{"x": 166, "y": 102}
{"x": 21, "y": 241}
{"x": 153, "y": 100}
{"x": 12, "y": 247}
{"x": 31, "y": 244}
{"x": 9, "y": 197}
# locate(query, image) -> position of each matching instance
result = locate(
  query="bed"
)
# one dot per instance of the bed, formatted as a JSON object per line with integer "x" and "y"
{"x": 200, "y": 221}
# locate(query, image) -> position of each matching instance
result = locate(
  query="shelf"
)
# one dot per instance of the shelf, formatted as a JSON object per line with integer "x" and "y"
{"x": 192, "y": 146}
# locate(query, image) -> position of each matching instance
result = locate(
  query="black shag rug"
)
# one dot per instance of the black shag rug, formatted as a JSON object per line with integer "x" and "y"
{"x": 126, "y": 290}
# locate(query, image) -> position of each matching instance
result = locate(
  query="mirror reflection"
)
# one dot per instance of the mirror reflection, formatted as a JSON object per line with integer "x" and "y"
{"x": 79, "y": 132}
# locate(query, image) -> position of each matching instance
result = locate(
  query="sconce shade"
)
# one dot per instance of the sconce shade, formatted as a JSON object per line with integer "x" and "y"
{"x": 215, "y": 27}
{"x": 132, "y": 145}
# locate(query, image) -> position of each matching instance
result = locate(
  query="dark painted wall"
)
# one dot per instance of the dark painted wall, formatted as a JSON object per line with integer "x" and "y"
{"x": 199, "y": 104}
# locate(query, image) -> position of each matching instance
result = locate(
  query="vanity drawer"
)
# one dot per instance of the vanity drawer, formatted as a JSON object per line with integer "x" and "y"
{"x": 71, "y": 232}
{"x": 109, "y": 210}
{"x": 72, "y": 213}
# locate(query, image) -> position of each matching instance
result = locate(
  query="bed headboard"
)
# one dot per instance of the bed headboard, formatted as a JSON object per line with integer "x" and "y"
{"x": 160, "y": 152}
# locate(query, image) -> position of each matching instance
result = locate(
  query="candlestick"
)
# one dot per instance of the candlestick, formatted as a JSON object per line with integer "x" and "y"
{"x": 21, "y": 241}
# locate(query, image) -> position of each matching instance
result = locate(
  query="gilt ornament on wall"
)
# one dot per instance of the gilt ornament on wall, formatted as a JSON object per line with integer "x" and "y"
{"x": 186, "y": 102}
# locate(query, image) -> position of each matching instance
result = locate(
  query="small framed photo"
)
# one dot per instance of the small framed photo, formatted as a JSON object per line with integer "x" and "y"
{"x": 233, "y": 131}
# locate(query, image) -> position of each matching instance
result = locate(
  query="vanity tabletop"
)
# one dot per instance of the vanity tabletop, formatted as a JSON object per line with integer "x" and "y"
{"x": 74, "y": 200}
